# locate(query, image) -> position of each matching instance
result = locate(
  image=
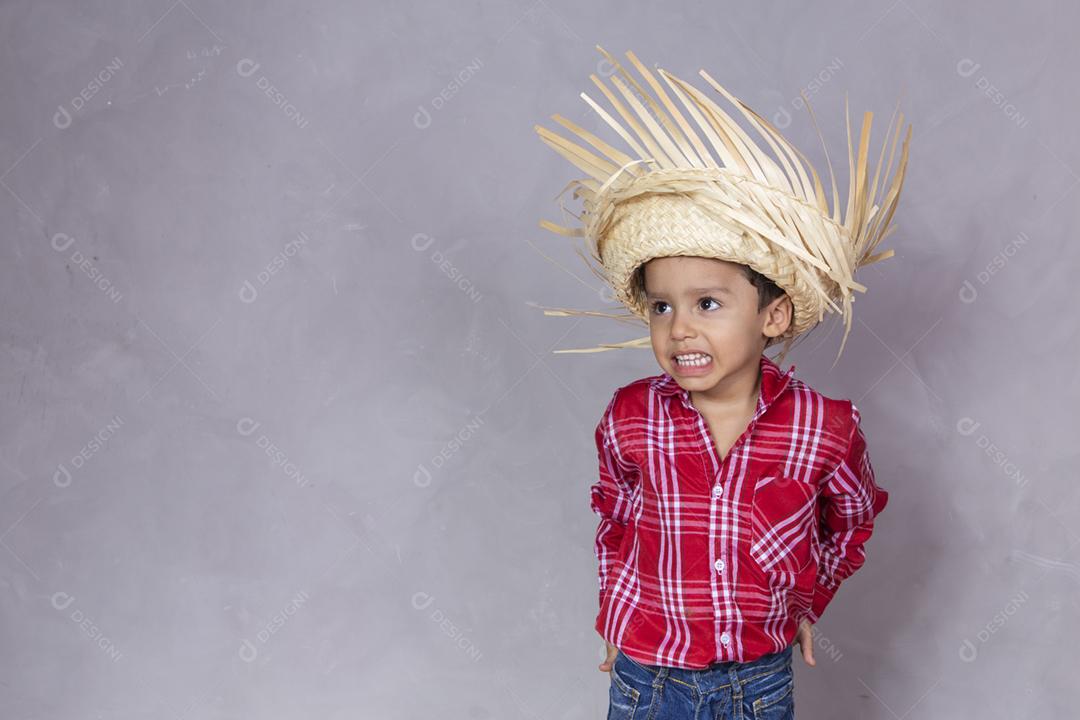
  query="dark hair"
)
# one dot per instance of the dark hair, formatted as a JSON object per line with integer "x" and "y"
{"x": 767, "y": 290}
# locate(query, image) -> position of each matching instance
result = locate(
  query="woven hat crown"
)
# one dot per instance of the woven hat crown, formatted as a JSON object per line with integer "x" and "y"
{"x": 694, "y": 182}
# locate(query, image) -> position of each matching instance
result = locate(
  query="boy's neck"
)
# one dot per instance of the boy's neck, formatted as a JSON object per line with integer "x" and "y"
{"x": 734, "y": 393}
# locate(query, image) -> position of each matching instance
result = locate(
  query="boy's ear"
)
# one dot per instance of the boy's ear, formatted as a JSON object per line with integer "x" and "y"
{"x": 779, "y": 315}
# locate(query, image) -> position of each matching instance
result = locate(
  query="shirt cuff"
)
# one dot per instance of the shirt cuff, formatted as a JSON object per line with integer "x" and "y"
{"x": 822, "y": 597}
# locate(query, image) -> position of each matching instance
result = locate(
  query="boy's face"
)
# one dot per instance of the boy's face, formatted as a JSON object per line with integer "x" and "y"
{"x": 707, "y": 306}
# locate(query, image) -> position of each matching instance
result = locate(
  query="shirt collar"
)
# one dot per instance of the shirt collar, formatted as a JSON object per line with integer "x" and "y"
{"x": 773, "y": 382}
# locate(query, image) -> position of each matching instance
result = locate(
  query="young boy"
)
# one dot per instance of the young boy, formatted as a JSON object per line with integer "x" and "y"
{"x": 733, "y": 498}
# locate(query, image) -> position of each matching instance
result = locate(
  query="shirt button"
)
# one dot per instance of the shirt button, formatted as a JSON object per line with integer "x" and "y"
{"x": 725, "y": 638}
{"x": 717, "y": 490}
{"x": 719, "y": 565}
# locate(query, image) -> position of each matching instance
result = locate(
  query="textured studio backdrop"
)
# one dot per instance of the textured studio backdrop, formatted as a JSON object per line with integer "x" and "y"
{"x": 283, "y": 432}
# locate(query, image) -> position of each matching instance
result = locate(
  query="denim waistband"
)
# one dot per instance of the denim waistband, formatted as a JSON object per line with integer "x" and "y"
{"x": 718, "y": 675}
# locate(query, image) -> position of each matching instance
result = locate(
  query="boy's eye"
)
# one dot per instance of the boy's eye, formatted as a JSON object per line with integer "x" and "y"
{"x": 659, "y": 307}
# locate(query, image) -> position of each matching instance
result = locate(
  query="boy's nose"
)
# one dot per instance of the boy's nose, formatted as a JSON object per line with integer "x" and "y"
{"x": 681, "y": 326}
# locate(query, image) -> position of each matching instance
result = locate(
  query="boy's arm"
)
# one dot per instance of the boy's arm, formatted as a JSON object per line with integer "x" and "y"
{"x": 611, "y": 495}
{"x": 850, "y": 502}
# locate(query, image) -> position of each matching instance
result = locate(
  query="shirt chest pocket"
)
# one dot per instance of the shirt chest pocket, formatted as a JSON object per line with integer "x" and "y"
{"x": 784, "y": 524}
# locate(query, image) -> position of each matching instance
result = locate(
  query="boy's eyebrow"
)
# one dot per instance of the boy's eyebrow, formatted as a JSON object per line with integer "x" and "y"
{"x": 719, "y": 290}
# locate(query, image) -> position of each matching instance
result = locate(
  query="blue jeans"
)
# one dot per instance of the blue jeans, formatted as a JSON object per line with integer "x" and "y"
{"x": 762, "y": 689}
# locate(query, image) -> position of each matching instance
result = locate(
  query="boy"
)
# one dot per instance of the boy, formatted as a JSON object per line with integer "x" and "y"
{"x": 733, "y": 498}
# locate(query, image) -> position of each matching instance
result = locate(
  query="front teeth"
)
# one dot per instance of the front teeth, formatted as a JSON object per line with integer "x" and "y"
{"x": 693, "y": 359}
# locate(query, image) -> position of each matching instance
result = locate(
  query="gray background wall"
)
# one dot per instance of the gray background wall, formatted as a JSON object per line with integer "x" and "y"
{"x": 282, "y": 437}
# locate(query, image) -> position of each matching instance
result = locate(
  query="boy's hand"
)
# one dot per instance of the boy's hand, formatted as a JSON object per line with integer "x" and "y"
{"x": 612, "y": 651}
{"x": 805, "y": 638}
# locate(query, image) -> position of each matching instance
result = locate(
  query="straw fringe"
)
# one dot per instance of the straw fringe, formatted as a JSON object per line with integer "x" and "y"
{"x": 698, "y": 184}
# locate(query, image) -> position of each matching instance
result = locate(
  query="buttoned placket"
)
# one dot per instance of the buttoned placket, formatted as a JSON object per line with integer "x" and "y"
{"x": 724, "y": 638}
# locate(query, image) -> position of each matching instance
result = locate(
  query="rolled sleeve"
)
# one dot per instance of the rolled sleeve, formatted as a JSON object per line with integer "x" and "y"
{"x": 850, "y": 500}
{"x": 611, "y": 495}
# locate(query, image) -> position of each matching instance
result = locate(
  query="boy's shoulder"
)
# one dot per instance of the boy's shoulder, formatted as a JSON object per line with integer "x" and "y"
{"x": 838, "y": 413}
{"x": 633, "y": 398}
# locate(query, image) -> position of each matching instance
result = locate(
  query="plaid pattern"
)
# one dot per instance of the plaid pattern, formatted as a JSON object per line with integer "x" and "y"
{"x": 703, "y": 560}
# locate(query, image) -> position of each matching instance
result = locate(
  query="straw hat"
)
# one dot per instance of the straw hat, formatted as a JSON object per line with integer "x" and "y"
{"x": 702, "y": 186}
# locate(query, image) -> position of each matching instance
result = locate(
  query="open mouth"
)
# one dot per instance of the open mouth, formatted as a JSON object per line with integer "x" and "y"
{"x": 692, "y": 360}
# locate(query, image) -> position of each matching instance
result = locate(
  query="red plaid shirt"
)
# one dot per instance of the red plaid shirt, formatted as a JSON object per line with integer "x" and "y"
{"x": 703, "y": 560}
